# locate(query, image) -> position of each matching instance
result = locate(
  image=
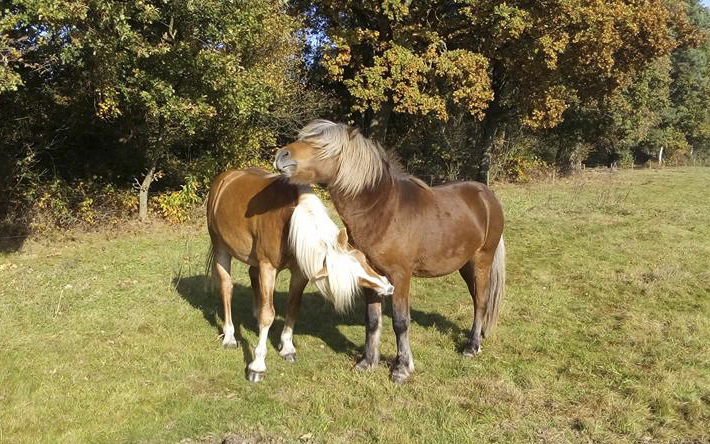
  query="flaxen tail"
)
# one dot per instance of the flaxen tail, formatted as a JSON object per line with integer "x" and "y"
{"x": 496, "y": 289}
{"x": 209, "y": 283}
{"x": 209, "y": 269}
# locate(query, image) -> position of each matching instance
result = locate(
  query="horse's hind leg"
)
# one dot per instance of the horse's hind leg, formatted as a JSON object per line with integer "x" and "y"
{"x": 254, "y": 278}
{"x": 295, "y": 292}
{"x": 222, "y": 267}
{"x": 267, "y": 277}
{"x": 476, "y": 275}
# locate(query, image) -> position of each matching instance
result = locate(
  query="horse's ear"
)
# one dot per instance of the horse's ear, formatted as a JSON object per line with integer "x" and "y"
{"x": 322, "y": 273}
{"x": 343, "y": 238}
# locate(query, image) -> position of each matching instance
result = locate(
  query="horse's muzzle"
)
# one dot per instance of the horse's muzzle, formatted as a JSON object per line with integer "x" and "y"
{"x": 389, "y": 291}
{"x": 283, "y": 162}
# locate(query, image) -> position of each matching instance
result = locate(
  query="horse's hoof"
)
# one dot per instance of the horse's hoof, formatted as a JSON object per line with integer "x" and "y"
{"x": 289, "y": 357}
{"x": 253, "y": 376}
{"x": 471, "y": 350}
{"x": 364, "y": 365}
{"x": 400, "y": 375}
{"x": 230, "y": 344}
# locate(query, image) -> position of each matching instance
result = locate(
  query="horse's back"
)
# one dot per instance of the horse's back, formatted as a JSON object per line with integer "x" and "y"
{"x": 253, "y": 189}
{"x": 461, "y": 198}
{"x": 479, "y": 203}
{"x": 248, "y": 213}
{"x": 475, "y": 194}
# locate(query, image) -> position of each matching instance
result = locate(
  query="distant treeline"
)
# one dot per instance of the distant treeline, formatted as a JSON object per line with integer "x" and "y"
{"x": 102, "y": 101}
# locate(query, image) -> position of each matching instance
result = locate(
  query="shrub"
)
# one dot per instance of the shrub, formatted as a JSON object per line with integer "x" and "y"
{"x": 626, "y": 160}
{"x": 177, "y": 206}
{"x": 63, "y": 204}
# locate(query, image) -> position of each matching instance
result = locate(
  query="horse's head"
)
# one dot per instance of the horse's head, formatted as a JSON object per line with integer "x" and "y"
{"x": 369, "y": 278}
{"x": 366, "y": 276}
{"x": 303, "y": 163}
{"x": 334, "y": 154}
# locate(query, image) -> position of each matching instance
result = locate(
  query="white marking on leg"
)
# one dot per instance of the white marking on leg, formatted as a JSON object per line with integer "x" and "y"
{"x": 259, "y": 362}
{"x": 287, "y": 347}
{"x": 410, "y": 364}
{"x": 229, "y": 338}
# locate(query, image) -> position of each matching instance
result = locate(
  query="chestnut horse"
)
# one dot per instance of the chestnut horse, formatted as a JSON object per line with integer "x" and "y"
{"x": 405, "y": 228}
{"x": 269, "y": 224}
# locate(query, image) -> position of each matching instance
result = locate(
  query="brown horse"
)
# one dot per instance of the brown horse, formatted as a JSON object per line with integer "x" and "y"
{"x": 405, "y": 229}
{"x": 270, "y": 225}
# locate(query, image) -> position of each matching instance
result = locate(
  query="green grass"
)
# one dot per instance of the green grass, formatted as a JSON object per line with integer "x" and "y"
{"x": 603, "y": 336}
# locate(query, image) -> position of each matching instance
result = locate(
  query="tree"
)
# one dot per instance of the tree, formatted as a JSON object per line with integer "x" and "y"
{"x": 690, "y": 87}
{"x": 125, "y": 89}
{"x": 663, "y": 108}
{"x": 518, "y": 61}
{"x": 611, "y": 129}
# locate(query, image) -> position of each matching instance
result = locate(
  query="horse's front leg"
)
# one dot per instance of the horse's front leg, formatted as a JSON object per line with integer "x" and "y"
{"x": 267, "y": 276}
{"x": 404, "y": 363}
{"x": 373, "y": 326}
{"x": 295, "y": 292}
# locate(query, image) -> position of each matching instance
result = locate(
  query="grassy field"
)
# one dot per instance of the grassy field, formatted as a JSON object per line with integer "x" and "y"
{"x": 604, "y": 336}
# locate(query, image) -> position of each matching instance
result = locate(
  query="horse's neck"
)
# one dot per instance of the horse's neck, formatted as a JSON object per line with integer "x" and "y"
{"x": 368, "y": 212}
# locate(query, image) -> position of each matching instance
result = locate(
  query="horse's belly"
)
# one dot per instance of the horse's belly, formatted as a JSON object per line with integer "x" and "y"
{"x": 244, "y": 250}
{"x": 442, "y": 262}
{"x": 247, "y": 259}
{"x": 255, "y": 252}
{"x": 438, "y": 270}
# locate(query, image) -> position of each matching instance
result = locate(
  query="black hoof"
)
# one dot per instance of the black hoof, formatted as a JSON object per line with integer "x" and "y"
{"x": 290, "y": 357}
{"x": 230, "y": 344}
{"x": 471, "y": 350}
{"x": 253, "y": 376}
{"x": 364, "y": 365}
{"x": 400, "y": 375}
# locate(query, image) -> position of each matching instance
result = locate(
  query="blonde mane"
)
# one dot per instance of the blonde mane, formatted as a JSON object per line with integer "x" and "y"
{"x": 313, "y": 238}
{"x": 362, "y": 162}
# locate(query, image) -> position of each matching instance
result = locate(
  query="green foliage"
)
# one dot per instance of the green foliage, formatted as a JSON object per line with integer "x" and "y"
{"x": 526, "y": 169}
{"x": 432, "y": 150}
{"x": 626, "y": 160}
{"x": 508, "y": 68}
{"x": 666, "y": 106}
{"x": 534, "y": 58}
{"x": 177, "y": 206}
{"x": 110, "y": 88}
{"x": 85, "y": 203}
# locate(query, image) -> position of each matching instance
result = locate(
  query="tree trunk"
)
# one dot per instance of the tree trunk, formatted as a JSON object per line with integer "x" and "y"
{"x": 143, "y": 193}
{"x": 493, "y": 135}
{"x": 378, "y": 122}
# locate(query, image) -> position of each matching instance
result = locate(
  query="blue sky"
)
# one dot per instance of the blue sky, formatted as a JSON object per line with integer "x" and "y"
{"x": 706, "y": 3}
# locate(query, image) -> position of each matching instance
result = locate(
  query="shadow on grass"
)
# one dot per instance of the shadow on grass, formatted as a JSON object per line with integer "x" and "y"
{"x": 13, "y": 236}
{"x": 317, "y": 317}
{"x": 441, "y": 324}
